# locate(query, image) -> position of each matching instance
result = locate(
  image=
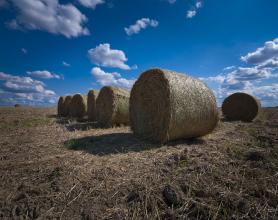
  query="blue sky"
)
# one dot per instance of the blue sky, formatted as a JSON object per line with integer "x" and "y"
{"x": 51, "y": 48}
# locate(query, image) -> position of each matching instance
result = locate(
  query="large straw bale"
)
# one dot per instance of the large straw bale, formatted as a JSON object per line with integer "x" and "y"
{"x": 240, "y": 106}
{"x": 165, "y": 105}
{"x": 78, "y": 106}
{"x": 67, "y": 105}
{"x": 112, "y": 106}
{"x": 61, "y": 106}
{"x": 91, "y": 104}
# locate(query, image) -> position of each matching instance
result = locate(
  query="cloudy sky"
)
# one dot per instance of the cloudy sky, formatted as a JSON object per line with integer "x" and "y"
{"x": 57, "y": 47}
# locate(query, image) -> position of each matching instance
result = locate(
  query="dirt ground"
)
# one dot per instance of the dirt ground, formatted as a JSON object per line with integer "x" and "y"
{"x": 60, "y": 169}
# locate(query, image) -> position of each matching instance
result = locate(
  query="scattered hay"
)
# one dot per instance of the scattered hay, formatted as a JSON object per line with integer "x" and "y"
{"x": 91, "y": 103}
{"x": 112, "y": 106}
{"x": 240, "y": 106}
{"x": 61, "y": 106}
{"x": 67, "y": 105}
{"x": 78, "y": 106}
{"x": 165, "y": 105}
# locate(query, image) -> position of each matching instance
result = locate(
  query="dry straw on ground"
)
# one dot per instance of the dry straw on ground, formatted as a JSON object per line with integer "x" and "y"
{"x": 67, "y": 105}
{"x": 241, "y": 106}
{"x": 78, "y": 106}
{"x": 165, "y": 105}
{"x": 112, "y": 106}
{"x": 91, "y": 104}
{"x": 61, "y": 106}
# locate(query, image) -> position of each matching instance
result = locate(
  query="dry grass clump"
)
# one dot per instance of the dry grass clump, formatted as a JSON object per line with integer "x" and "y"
{"x": 112, "y": 106}
{"x": 165, "y": 105}
{"x": 91, "y": 104}
{"x": 78, "y": 106}
{"x": 241, "y": 106}
{"x": 61, "y": 106}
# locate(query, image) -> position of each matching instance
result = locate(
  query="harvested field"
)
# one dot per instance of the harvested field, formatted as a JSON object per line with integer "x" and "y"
{"x": 52, "y": 168}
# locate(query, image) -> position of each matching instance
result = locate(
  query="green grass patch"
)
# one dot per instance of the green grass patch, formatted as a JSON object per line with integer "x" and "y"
{"x": 76, "y": 144}
{"x": 72, "y": 144}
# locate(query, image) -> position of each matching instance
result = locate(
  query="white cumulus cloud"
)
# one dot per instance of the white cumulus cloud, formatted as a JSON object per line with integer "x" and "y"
{"x": 191, "y": 13}
{"x": 50, "y": 16}
{"x": 262, "y": 54}
{"x": 251, "y": 73}
{"x": 140, "y": 24}
{"x": 217, "y": 79}
{"x": 91, "y": 3}
{"x": 25, "y": 90}
{"x": 245, "y": 79}
{"x": 111, "y": 79}
{"x": 44, "y": 74}
{"x": 66, "y": 64}
{"x": 271, "y": 63}
{"x": 198, "y": 4}
{"x": 103, "y": 55}
{"x": 239, "y": 76}
{"x": 229, "y": 68}
{"x": 257, "y": 79}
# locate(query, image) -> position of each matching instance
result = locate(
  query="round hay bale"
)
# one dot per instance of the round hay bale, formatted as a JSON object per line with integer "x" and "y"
{"x": 67, "y": 105}
{"x": 165, "y": 105}
{"x": 91, "y": 104}
{"x": 17, "y": 105}
{"x": 240, "y": 106}
{"x": 78, "y": 106}
{"x": 61, "y": 106}
{"x": 112, "y": 106}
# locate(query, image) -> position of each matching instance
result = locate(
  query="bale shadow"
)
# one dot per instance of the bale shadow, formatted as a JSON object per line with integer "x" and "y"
{"x": 52, "y": 116}
{"x": 116, "y": 143}
{"x": 73, "y": 124}
{"x": 234, "y": 120}
{"x": 188, "y": 141}
{"x": 67, "y": 120}
{"x": 109, "y": 144}
{"x": 81, "y": 126}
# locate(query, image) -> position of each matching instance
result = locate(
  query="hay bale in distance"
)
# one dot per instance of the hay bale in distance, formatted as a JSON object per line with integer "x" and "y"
{"x": 165, "y": 105}
{"x": 17, "y": 105}
{"x": 78, "y": 106}
{"x": 240, "y": 106}
{"x": 112, "y": 106}
{"x": 91, "y": 104}
{"x": 67, "y": 105}
{"x": 61, "y": 106}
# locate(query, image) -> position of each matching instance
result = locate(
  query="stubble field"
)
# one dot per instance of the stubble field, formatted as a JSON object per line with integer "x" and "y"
{"x": 54, "y": 168}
